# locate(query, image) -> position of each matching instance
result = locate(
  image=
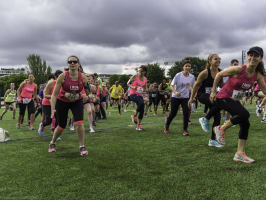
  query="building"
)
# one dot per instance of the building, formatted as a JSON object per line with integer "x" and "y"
{"x": 105, "y": 77}
{"x": 5, "y": 71}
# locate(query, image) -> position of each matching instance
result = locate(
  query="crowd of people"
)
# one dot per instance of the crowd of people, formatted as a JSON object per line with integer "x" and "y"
{"x": 220, "y": 91}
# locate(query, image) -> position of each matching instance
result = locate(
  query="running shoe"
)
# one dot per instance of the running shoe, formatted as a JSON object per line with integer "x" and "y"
{"x": 219, "y": 134}
{"x": 139, "y": 127}
{"x": 92, "y": 130}
{"x": 1, "y": 118}
{"x": 40, "y": 130}
{"x": 166, "y": 131}
{"x": 59, "y": 139}
{"x": 258, "y": 110}
{"x": 51, "y": 148}
{"x": 83, "y": 151}
{"x": 186, "y": 133}
{"x": 263, "y": 121}
{"x": 189, "y": 123}
{"x": 214, "y": 143}
{"x": 242, "y": 157}
{"x": 31, "y": 127}
{"x": 72, "y": 127}
{"x": 17, "y": 126}
{"x": 93, "y": 123}
{"x": 134, "y": 119}
{"x": 204, "y": 124}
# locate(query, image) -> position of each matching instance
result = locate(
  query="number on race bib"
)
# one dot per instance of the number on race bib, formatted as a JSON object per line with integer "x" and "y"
{"x": 208, "y": 90}
{"x": 140, "y": 90}
{"x": 26, "y": 100}
{"x": 237, "y": 94}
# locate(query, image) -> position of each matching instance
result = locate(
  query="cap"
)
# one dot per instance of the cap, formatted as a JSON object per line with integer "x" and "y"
{"x": 257, "y": 50}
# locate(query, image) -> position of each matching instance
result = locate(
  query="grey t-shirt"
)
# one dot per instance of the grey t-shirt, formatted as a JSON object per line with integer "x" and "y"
{"x": 182, "y": 84}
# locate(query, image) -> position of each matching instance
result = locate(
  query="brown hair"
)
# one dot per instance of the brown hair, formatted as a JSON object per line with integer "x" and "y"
{"x": 208, "y": 64}
{"x": 260, "y": 68}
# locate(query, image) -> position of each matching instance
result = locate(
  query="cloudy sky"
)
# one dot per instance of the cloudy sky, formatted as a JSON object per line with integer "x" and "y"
{"x": 110, "y": 36}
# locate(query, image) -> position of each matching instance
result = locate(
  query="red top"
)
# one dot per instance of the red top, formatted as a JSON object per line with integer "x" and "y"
{"x": 45, "y": 101}
{"x": 71, "y": 89}
{"x": 235, "y": 86}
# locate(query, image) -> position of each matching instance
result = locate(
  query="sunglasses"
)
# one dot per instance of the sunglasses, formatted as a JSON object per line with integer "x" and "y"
{"x": 72, "y": 61}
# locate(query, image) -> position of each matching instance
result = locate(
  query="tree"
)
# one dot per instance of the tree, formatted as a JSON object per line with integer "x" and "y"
{"x": 155, "y": 73}
{"x": 197, "y": 65}
{"x": 39, "y": 68}
{"x": 113, "y": 79}
{"x": 123, "y": 79}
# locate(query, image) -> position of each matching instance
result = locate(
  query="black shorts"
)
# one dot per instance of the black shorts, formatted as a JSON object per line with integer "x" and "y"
{"x": 62, "y": 109}
{"x": 30, "y": 106}
{"x": 9, "y": 103}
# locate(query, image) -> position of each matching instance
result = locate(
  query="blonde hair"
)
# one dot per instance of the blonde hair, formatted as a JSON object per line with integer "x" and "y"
{"x": 208, "y": 64}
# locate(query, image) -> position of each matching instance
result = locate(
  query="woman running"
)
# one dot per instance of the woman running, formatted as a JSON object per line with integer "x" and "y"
{"x": 202, "y": 89}
{"x": 46, "y": 105}
{"x": 181, "y": 86}
{"x": 10, "y": 101}
{"x": 67, "y": 95}
{"x": 137, "y": 85}
{"x": 26, "y": 93}
{"x": 241, "y": 78}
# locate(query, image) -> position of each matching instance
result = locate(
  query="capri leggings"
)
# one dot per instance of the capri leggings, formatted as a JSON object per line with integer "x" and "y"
{"x": 140, "y": 103}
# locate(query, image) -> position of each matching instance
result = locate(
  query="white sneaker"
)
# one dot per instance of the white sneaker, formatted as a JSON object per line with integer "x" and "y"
{"x": 242, "y": 157}
{"x": 72, "y": 128}
{"x": 92, "y": 130}
{"x": 214, "y": 143}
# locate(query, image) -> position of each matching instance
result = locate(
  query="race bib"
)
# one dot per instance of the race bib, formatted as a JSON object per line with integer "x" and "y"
{"x": 26, "y": 100}
{"x": 237, "y": 94}
{"x": 140, "y": 90}
{"x": 165, "y": 96}
{"x": 208, "y": 90}
{"x": 153, "y": 95}
{"x": 116, "y": 92}
{"x": 71, "y": 97}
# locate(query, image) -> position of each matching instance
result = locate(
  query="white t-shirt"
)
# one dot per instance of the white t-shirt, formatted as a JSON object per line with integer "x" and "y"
{"x": 182, "y": 84}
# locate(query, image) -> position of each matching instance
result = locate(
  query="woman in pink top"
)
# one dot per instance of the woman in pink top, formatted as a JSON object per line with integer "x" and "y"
{"x": 67, "y": 96}
{"x": 26, "y": 92}
{"x": 241, "y": 78}
{"x": 137, "y": 85}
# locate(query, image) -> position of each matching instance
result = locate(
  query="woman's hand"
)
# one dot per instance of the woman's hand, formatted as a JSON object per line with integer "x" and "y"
{"x": 212, "y": 96}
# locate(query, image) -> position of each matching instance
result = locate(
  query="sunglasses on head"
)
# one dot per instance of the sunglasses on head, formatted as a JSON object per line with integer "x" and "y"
{"x": 72, "y": 61}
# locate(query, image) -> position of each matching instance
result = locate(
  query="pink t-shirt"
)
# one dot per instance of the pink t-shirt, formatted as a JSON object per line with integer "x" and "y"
{"x": 140, "y": 86}
{"x": 236, "y": 86}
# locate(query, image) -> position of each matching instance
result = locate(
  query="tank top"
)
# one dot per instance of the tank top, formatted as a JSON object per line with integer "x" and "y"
{"x": 207, "y": 84}
{"x": 140, "y": 86}
{"x": 11, "y": 97}
{"x": 257, "y": 88}
{"x": 71, "y": 88}
{"x": 235, "y": 87}
{"x": 27, "y": 92}
{"x": 45, "y": 101}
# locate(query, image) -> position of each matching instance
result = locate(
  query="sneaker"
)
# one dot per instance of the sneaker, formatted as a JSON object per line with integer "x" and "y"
{"x": 92, "y": 130}
{"x": 214, "y": 143}
{"x": 51, "y": 148}
{"x": 59, "y": 139}
{"x": 1, "y": 118}
{"x": 186, "y": 133}
{"x": 219, "y": 135}
{"x": 72, "y": 128}
{"x": 17, "y": 126}
{"x": 93, "y": 123}
{"x": 263, "y": 121}
{"x": 242, "y": 157}
{"x": 134, "y": 119}
{"x": 139, "y": 127}
{"x": 166, "y": 131}
{"x": 204, "y": 124}
{"x": 40, "y": 130}
{"x": 189, "y": 123}
{"x": 31, "y": 127}
{"x": 83, "y": 151}
{"x": 258, "y": 110}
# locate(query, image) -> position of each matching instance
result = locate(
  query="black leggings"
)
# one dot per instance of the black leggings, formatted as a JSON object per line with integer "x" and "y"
{"x": 62, "y": 111}
{"x": 213, "y": 111}
{"x": 175, "y": 103}
{"x": 239, "y": 115}
{"x": 140, "y": 103}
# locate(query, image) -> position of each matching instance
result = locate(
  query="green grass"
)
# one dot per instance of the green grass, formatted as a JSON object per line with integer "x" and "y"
{"x": 126, "y": 164}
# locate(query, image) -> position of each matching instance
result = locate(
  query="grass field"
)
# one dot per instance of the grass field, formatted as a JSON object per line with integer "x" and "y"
{"x": 126, "y": 164}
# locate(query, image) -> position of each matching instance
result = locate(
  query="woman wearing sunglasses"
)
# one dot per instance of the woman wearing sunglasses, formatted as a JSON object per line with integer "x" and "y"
{"x": 67, "y": 95}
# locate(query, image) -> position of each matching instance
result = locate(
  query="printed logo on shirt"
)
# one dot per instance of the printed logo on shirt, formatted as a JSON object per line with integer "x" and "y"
{"x": 245, "y": 86}
{"x": 187, "y": 84}
{"x": 74, "y": 87}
